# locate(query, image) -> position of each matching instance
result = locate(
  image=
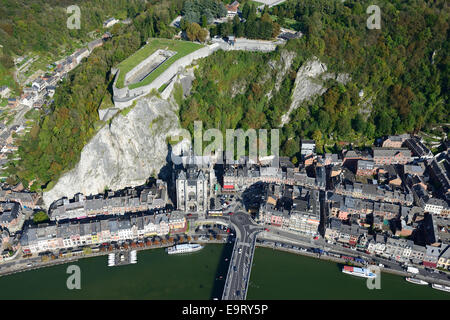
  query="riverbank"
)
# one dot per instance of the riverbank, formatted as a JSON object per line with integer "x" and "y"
{"x": 156, "y": 275}
{"x": 58, "y": 261}
{"x": 281, "y": 275}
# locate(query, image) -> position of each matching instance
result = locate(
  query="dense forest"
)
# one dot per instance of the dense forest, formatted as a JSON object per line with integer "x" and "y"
{"x": 203, "y": 11}
{"x": 402, "y": 69}
{"x": 54, "y": 143}
{"x": 252, "y": 26}
{"x": 40, "y": 26}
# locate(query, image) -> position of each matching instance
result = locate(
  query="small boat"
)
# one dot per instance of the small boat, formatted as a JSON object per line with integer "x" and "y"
{"x": 111, "y": 260}
{"x": 359, "y": 272}
{"x": 440, "y": 287}
{"x": 184, "y": 248}
{"x": 416, "y": 281}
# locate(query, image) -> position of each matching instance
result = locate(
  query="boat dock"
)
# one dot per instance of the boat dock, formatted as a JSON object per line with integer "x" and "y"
{"x": 122, "y": 258}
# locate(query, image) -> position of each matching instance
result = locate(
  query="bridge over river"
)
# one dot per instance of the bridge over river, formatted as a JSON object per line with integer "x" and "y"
{"x": 238, "y": 275}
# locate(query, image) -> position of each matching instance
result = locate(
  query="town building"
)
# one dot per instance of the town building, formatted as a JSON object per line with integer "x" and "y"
{"x": 395, "y": 141}
{"x": 444, "y": 258}
{"x": 25, "y": 199}
{"x": 435, "y": 205}
{"x": 431, "y": 256}
{"x": 291, "y": 207}
{"x": 192, "y": 187}
{"x": 71, "y": 234}
{"x": 11, "y": 216}
{"x": 383, "y": 156}
{"x": 121, "y": 202}
{"x": 307, "y": 147}
{"x": 365, "y": 168}
{"x": 418, "y": 148}
{"x": 110, "y": 22}
{"x": 232, "y": 9}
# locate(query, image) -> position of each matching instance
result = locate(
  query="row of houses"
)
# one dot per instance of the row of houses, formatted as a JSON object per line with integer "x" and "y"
{"x": 128, "y": 200}
{"x": 291, "y": 208}
{"x": 51, "y": 237}
{"x": 11, "y": 217}
{"x": 399, "y": 249}
{"x": 239, "y": 178}
{"x": 342, "y": 206}
{"x": 373, "y": 192}
{"x": 25, "y": 199}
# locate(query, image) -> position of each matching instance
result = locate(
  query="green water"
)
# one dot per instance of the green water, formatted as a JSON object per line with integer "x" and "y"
{"x": 282, "y": 275}
{"x": 275, "y": 275}
{"x": 155, "y": 276}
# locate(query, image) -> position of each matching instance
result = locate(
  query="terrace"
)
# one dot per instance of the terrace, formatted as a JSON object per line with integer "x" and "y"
{"x": 165, "y": 52}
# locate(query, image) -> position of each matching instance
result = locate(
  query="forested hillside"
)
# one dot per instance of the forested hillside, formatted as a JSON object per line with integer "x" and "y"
{"x": 401, "y": 71}
{"x": 40, "y": 26}
{"x": 55, "y": 143}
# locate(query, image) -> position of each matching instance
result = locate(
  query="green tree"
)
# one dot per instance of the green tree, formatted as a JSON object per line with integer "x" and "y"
{"x": 40, "y": 216}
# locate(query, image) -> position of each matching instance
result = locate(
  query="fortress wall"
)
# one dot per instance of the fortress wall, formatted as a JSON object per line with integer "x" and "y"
{"x": 142, "y": 64}
{"x": 124, "y": 97}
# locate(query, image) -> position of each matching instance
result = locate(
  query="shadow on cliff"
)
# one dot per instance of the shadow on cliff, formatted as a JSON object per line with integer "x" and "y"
{"x": 167, "y": 174}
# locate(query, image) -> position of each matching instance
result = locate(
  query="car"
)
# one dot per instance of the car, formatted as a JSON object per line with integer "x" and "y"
{"x": 189, "y": 215}
{"x": 231, "y": 213}
{"x": 265, "y": 229}
{"x": 316, "y": 238}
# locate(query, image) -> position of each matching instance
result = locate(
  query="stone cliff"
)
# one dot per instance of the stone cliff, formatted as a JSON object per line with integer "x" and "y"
{"x": 124, "y": 153}
{"x": 309, "y": 83}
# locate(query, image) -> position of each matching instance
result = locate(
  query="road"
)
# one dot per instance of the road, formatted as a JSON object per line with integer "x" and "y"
{"x": 242, "y": 256}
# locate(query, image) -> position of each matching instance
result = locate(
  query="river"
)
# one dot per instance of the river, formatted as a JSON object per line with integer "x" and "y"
{"x": 275, "y": 275}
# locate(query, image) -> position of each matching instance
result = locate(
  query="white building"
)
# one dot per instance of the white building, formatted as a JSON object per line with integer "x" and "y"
{"x": 308, "y": 147}
{"x": 110, "y": 22}
{"x": 434, "y": 205}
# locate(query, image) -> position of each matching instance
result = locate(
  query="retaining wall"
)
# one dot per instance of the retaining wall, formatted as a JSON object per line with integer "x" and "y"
{"x": 124, "y": 97}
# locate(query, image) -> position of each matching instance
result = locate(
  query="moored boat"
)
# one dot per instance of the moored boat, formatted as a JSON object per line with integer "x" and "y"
{"x": 184, "y": 248}
{"x": 359, "y": 272}
{"x": 440, "y": 287}
{"x": 416, "y": 281}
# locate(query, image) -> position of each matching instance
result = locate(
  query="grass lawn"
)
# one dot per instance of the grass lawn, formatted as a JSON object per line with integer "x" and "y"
{"x": 257, "y": 3}
{"x": 7, "y": 78}
{"x": 288, "y": 23}
{"x": 182, "y": 48}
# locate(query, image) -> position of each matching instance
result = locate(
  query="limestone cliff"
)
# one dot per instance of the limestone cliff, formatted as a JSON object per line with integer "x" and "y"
{"x": 309, "y": 83}
{"x": 124, "y": 153}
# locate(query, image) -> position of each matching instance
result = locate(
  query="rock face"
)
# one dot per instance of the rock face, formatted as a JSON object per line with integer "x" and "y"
{"x": 280, "y": 68}
{"x": 125, "y": 153}
{"x": 306, "y": 85}
{"x": 309, "y": 83}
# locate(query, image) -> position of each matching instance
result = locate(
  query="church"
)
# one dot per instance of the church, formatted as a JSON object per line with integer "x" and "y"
{"x": 193, "y": 182}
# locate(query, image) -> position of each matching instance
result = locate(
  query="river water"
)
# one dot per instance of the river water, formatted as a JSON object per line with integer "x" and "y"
{"x": 275, "y": 275}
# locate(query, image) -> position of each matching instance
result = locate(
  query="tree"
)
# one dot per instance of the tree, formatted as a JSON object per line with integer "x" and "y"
{"x": 204, "y": 21}
{"x": 40, "y": 216}
{"x": 195, "y": 32}
{"x": 317, "y": 136}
